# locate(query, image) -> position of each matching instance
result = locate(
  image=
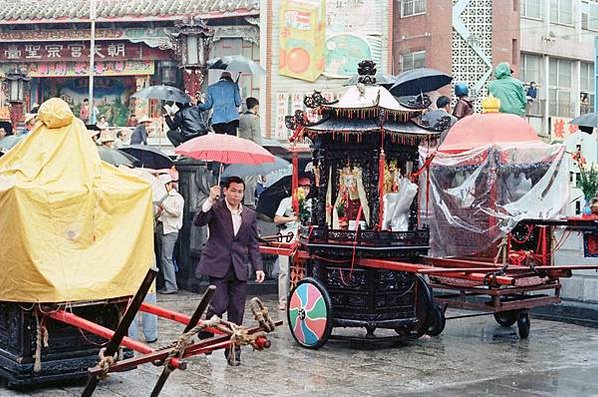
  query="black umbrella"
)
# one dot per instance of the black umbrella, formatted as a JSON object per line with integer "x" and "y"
{"x": 586, "y": 122}
{"x": 270, "y": 198}
{"x": 149, "y": 157}
{"x": 382, "y": 79}
{"x": 274, "y": 147}
{"x": 163, "y": 92}
{"x": 117, "y": 158}
{"x": 417, "y": 81}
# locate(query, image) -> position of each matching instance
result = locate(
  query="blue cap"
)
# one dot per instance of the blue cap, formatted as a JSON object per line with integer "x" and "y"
{"x": 461, "y": 89}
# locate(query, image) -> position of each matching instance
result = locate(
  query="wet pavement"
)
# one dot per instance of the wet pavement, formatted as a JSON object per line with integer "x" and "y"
{"x": 472, "y": 357}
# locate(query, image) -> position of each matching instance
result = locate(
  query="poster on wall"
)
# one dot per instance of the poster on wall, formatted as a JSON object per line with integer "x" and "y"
{"x": 324, "y": 37}
{"x": 302, "y": 39}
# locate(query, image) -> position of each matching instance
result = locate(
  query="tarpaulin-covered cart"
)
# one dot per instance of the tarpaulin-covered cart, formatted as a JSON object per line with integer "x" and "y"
{"x": 77, "y": 244}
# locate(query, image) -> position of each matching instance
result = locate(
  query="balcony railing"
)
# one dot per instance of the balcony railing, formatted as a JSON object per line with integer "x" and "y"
{"x": 535, "y": 108}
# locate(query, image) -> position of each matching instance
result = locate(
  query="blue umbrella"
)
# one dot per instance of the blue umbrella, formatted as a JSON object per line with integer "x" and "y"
{"x": 258, "y": 169}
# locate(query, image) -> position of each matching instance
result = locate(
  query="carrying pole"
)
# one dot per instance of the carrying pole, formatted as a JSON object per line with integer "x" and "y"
{"x": 201, "y": 308}
{"x": 123, "y": 327}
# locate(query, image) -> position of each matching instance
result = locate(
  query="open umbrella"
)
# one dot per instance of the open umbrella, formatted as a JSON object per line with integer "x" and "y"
{"x": 270, "y": 198}
{"x": 274, "y": 146}
{"x": 117, "y": 158}
{"x": 226, "y": 149}
{"x": 149, "y": 157}
{"x": 586, "y": 122}
{"x": 383, "y": 79}
{"x": 242, "y": 170}
{"x": 237, "y": 63}
{"x": 164, "y": 93}
{"x": 417, "y": 81}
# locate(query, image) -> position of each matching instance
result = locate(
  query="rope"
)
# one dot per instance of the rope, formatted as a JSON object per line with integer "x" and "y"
{"x": 105, "y": 363}
{"x": 260, "y": 314}
{"x": 41, "y": 339}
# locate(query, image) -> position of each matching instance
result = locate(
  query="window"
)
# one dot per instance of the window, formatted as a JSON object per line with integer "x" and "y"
{"x": 586, "y": 88}
{"x": 559, "y": 90}
{"x": 530, "y": 66}
{"x": 589, "y": 15}
{"x": 413, "y": 60}
{"x": 561, "y": 11}
{"x": 412, "y": 7}
{"x": 531, "y": 9}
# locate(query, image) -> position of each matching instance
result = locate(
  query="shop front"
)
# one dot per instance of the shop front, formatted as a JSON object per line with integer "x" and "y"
{"x": 61, "y": 69}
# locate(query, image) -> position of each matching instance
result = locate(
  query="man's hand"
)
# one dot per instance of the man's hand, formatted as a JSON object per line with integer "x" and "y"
{"x": 259, "y": 276}
{"x": 214, "y": 193}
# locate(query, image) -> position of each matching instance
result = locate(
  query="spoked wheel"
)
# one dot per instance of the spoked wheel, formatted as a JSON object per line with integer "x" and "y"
{"x": 506, "y": 319}
{"x": 310, "y": 314}
{"x": 523, "y": 325}
{"x": 436, "y": 321}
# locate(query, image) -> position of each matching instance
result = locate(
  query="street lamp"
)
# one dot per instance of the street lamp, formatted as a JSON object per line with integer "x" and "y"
{"x": 193, "y": 43}
{"x": 16, "y": 83}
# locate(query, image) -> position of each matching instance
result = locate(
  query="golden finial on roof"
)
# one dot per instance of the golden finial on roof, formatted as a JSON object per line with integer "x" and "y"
{"x": 490, "y": 104}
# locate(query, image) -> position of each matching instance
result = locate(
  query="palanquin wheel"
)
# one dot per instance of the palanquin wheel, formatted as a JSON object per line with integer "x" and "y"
{"x": 436, "y": 321}
{"x": 523, "y": 325}
{"x": 310, "y": 313}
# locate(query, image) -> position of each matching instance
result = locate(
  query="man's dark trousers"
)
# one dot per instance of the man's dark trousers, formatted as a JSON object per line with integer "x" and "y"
{"x": 229, "y": 297}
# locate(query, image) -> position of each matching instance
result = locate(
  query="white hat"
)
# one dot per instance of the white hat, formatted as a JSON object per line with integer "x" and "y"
{"x": 165, "y": 178}
{"x": 144, "y": 119}
{"x": 29, "y": 117}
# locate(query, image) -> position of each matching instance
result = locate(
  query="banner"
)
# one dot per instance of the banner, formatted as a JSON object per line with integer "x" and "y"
{"x": 561, "y": 129}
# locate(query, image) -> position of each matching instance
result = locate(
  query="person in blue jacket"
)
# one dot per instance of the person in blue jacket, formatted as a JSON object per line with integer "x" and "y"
{"x": 224, "y": 98}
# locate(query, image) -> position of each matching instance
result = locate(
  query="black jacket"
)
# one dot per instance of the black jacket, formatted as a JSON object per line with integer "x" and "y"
{"x": 188, "y": 121}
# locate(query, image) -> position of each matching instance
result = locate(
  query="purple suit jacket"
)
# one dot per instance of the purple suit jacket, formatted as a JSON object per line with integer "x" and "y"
{"x": 223, "y": 248}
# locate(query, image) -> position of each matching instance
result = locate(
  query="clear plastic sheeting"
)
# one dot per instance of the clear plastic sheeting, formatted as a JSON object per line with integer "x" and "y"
{"x": 478, "y": 196}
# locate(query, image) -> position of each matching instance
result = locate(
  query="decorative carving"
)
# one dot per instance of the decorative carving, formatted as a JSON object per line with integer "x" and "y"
{"x": 367, "y": 72}
{"x": 249, "y": 34}
{"x": 316, "y": 100}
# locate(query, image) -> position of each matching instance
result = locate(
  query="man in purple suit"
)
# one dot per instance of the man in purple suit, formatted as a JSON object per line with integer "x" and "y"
{"x": 232, "y": 245}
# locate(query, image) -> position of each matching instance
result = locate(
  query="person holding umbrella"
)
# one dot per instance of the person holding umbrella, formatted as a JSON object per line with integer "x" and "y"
{"x": 224, "y": 98}
{"x": 231, "y": 246}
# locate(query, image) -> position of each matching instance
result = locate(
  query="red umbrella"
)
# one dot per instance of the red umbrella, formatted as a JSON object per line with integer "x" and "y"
{"x": 226, "y": 149}
{"x": 484, "y": 129}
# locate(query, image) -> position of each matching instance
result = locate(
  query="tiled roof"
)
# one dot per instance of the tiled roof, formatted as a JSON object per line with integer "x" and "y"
{"x": 19, "y": 11}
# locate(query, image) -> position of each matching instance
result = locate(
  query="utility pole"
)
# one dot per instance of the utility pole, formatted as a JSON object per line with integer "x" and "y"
{"x": 92, "y": 50}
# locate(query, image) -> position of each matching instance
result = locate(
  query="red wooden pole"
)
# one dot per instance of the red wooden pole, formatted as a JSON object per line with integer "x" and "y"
{"x": 414, "y": 268}
{"x": 172, "y": 315}
{"x": 96, "y": 329}
{"x": 295, "y": 180}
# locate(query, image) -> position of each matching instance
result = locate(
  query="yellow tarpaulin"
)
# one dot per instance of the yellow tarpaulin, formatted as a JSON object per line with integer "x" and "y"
{"x": 71, "y": 226}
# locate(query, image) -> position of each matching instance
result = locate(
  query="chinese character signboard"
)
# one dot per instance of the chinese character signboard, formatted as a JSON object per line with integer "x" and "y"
{"x": 105, "y": 50}
{"x": 561, "y": 129}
